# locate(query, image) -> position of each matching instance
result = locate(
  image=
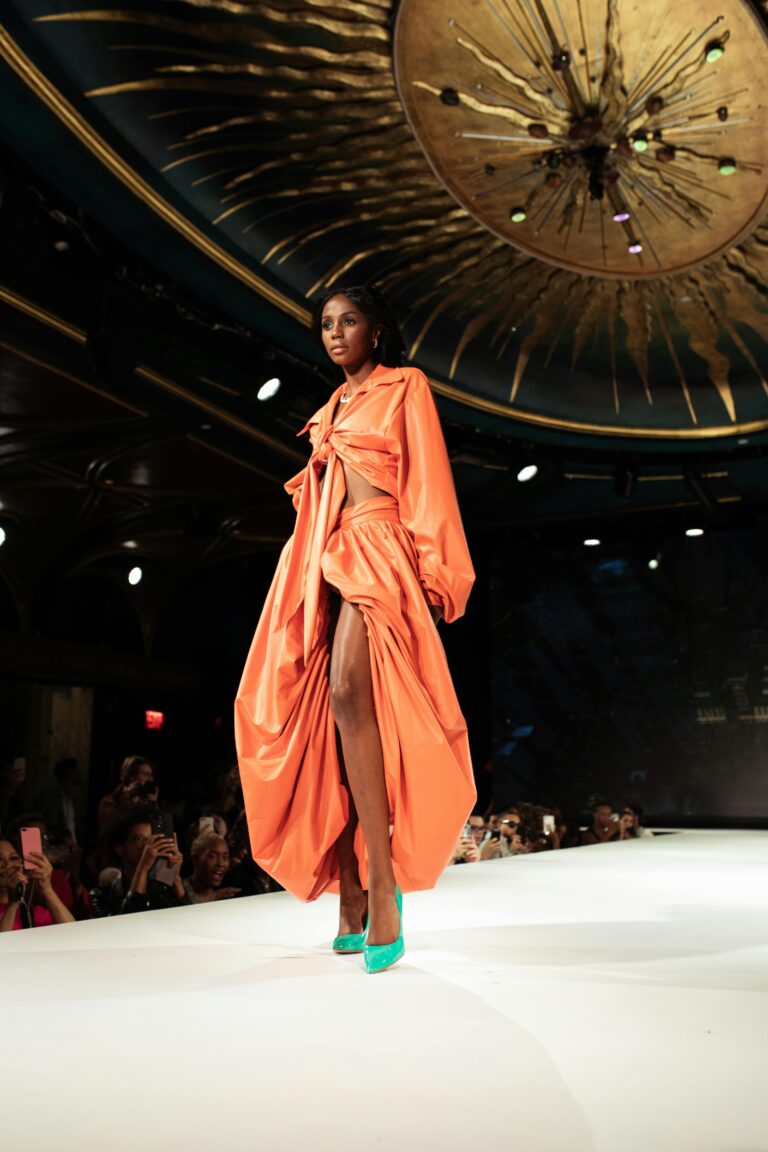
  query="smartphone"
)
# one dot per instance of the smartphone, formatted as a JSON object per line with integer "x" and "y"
{"x": 496, "y": 834}
{"x": 205, "y": 824}
{"x": 467, "y": 833}
{"x": 31, "y": 841}
{"x": 162, "y": 824}
{"x": 548, "y": 824}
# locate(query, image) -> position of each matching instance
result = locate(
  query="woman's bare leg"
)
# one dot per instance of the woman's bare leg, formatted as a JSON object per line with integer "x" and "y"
{"x": 352, "y": 707}
{"x": 353, "y": 901}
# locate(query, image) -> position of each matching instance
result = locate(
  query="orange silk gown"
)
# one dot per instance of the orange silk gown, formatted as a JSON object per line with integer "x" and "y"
{"x": 392, "y": 556}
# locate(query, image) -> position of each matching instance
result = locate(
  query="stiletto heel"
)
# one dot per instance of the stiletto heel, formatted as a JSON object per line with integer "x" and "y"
{"x": 379, "y": 957}
{"x": 351, "y": 942}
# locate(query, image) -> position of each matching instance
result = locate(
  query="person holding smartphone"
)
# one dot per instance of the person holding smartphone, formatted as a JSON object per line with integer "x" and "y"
{"x": 149, "y": 866}
{"x": 27, "y": 897}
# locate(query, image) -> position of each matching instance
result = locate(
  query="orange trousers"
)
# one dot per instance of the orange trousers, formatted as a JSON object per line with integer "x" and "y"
{"x": 296, "y": 802}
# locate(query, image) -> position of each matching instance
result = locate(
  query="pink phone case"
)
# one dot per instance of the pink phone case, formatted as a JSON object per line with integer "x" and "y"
{"x": 31, "y": 841}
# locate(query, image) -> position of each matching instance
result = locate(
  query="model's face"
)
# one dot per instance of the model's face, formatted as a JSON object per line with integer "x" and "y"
{"x": 348, "y": 335}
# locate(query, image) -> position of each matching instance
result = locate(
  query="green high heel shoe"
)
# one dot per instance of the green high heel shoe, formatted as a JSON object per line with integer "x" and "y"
{"x": 350, "y": 942}
{"x": 379, "y": 957}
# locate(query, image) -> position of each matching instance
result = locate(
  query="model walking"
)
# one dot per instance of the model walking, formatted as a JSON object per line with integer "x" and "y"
{"x": 352, "y": 747}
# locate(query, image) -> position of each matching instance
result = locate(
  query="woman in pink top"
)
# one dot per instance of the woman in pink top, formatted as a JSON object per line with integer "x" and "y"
{"x": 23, "y": 908}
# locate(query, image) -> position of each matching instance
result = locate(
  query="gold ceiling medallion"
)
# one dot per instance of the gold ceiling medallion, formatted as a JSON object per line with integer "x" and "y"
{"x": 620, "y": 141}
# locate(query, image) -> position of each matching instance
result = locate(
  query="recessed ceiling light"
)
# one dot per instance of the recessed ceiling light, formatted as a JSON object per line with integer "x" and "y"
{"x": 130, "y": 544}
{"x": 592, "y": 542}
{"x": 527, "y": 473}
{"x": 3, "y": 537}
{"x": 694, "y": 531}
{"x": 135, "y": 575}
{"x": 653, "y": 564}
{"x": 269, "y": 388}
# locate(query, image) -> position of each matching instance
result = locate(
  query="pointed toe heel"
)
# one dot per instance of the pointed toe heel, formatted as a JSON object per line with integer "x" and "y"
{"x": 348, "y": 944}
{"x": 379, "y": 957}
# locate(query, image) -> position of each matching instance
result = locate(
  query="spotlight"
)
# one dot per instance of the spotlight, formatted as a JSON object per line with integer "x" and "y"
{"x": 653, "y": 564}
{"x": 592, "y": 542}
{"x": 135, "y": 575}
{"x": 726, "y": 166}
{"x": 527, "y": 473}
{"x": 269, "y": 388}
{"x": 694, "y": 531}
{"x": 538, "y": 131}
{"x": 517, "y": 215}
{"x": 450, "y": 97}
{"x": 3, "y": 536}
{"x": 620, "y": 217}
{"x": 635, "y": 248}
{"x": 654, "y": 105}
{"x": 132, "y": 544}
{"x": 640, "y": 141}
{"x": 714, "y": 51}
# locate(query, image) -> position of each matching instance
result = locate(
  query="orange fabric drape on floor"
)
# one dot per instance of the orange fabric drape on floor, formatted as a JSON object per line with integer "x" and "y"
{"x": 392, "y": 556}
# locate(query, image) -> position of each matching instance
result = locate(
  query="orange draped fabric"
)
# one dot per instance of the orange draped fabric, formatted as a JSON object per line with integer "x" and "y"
{"x": 392, "y": 556}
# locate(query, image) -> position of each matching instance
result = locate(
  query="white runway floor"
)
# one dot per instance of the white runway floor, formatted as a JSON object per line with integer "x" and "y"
{"x": 612, "y": 999}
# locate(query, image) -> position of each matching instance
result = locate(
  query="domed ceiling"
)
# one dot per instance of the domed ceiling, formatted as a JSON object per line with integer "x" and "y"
{"x": 565, "y": 199}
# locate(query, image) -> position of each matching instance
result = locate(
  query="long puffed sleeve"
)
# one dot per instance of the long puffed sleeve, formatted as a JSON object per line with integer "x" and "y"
{"x": 427, "y": 498}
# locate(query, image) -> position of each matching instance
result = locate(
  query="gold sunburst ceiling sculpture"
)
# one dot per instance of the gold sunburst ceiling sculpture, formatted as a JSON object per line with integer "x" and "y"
{"x": 565, "y": 198}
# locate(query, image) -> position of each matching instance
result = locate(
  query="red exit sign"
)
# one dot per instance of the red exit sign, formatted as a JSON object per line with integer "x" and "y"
{"x": 154, "y": 721}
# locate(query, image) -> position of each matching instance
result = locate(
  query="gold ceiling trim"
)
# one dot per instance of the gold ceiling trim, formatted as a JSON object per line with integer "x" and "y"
{"x": 42, "y": 87}
{"x": 8, "y": 296}
{"x": 520, "y": 290}
{"x": 70, "y": 376}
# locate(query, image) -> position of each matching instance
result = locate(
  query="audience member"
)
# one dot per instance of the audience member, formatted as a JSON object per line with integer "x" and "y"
{"x": 27, "y": 897}
{"x": 13, "y": 773}
{"x": 137, "y": 786}
{"x": 131, "y": 886}
{"x": 635, "y": 830}
{"x": 607, "y": 826}
{"x": 65, "y": 856}
{"x": 56, "y": 803}
{"x": 244, "y": 872}
{"x": 210, "y": 864}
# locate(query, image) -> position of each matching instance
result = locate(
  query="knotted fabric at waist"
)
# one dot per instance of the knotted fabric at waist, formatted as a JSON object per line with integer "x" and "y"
{"x": 377, "y": 508}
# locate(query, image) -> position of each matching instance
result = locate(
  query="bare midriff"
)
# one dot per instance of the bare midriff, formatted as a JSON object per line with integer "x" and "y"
{"x": 358, "y": 488}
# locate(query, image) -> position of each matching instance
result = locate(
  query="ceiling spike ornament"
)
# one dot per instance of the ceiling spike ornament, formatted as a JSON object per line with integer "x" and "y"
{"x": 590, "y": 91}
{"x": 564, "y": 199}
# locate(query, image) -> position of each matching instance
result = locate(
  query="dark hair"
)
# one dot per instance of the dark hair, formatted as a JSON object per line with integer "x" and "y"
{"x": 64, "y": 768}
{"x": 127, "y": 817}
{"x": 390, "y": 349}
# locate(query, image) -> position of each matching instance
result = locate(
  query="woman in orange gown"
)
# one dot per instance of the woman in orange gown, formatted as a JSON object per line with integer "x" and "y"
{"x": 352, "y": 747}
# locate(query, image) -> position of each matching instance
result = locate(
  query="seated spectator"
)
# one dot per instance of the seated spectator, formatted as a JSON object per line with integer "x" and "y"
{"x": 137, "y": 786}
{"x": 606, "y": 827}
{"x": 131, "y": 887}
{"x": 510, "y": 841}
{"x": 64, "y": 856}
{"x": 210, "y": 864}
{"x": 13, "y": 773}
{"x": 244, "y": 872}
{"x": 635, "y": 830}
{"x": 210, "y": 822}
{"x": 56, "y": 803}
{"x": 27, "y": 898}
